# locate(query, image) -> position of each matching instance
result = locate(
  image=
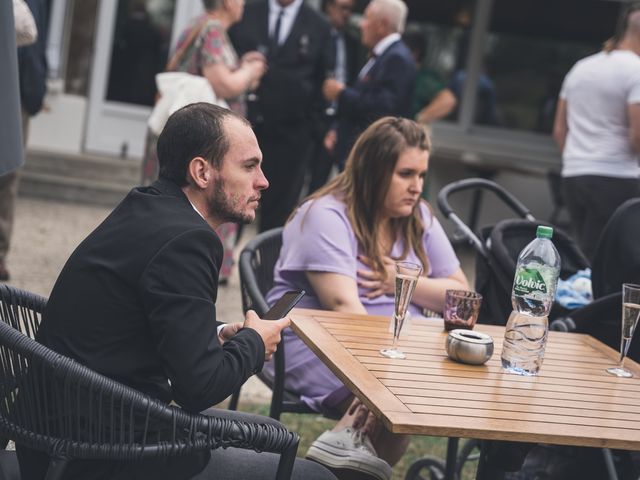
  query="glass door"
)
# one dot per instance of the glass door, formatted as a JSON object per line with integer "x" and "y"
{"x": 133, "y": 42}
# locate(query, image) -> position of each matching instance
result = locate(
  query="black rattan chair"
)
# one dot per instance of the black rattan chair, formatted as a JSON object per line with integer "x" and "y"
{"x": 51, "y": 403}
{"x": 257, "y": 261}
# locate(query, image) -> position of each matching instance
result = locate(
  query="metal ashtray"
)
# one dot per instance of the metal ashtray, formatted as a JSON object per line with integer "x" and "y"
{"x": 470, "y": 347}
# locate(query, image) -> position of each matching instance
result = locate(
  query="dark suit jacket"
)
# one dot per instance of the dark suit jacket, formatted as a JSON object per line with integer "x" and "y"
{"x": 290, "y": 92}
{"x": 136, "y": 302}
{"x": 387, "y": 89}
{"x": 355, "y": 56}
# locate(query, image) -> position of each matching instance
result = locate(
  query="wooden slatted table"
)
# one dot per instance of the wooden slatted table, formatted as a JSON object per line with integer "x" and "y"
{"x": 572, "y": 401}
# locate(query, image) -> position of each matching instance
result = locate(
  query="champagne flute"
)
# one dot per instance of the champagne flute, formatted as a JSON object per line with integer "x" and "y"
{"x": 407, "y": 275}
{"x": 331, "y": 109}
{"x": 630, "y": 315}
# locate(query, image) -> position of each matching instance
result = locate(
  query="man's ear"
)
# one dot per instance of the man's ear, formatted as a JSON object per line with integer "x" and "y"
{"x": 199, "y": 171}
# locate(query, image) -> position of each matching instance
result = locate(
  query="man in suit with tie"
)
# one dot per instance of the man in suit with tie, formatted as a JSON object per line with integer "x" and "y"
{"x": 348, "y": 58}
{"x": 288, "y": 103}
{"x": 385, "y": 84}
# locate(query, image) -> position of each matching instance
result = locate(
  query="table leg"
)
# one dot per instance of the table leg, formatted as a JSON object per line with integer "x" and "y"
{"x": 452, "y": 458}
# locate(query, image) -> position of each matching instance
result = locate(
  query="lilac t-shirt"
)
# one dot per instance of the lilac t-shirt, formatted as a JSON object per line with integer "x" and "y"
{"x": 319, "y": 238}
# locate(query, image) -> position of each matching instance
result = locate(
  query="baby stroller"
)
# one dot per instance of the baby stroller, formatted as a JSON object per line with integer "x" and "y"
{"x": 497, "y": 248}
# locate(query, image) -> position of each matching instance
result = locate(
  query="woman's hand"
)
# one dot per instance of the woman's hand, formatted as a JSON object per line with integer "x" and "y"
{"x": 373, "y": 280}
{"x": 253, "y": 56}
{"x": 256, "y": 66}
{"x": 330, "y": 140}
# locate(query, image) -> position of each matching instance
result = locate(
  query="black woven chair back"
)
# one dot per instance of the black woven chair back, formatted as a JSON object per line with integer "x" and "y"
{"x": 257, "y": 261}
{"x": 22, "y": 310}
{"x": 51, "y": 403}
{"x": 494, "y": 276}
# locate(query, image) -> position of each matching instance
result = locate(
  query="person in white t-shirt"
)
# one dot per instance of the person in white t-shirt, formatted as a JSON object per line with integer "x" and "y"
{"x": 597, "y": 128}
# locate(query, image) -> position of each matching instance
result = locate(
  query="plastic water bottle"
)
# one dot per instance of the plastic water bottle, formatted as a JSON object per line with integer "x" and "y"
{"x": 534, "y": 287}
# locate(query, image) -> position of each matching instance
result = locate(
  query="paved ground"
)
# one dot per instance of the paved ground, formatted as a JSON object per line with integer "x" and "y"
{"x": 45, "y": 234}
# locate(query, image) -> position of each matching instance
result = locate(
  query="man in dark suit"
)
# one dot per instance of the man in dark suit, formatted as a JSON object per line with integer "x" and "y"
{"x": 288, "y": 104}
{"x": 346, "y": 50}
{"x": 136, "y": 300}
{"x": 385, "y": 84}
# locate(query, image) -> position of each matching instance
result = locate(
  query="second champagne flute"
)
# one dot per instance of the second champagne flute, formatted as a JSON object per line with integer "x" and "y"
{"x": 407, "y": 275}
{"x": 630, "y": 316}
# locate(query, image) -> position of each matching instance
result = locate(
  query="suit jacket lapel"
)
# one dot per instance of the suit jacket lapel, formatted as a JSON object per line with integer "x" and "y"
{"x": 373, "y": 71}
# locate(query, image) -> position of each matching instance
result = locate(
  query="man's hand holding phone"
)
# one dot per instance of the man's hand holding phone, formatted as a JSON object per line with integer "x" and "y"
{"x": 269, "y": 331}
{"x": 275, "y": 320}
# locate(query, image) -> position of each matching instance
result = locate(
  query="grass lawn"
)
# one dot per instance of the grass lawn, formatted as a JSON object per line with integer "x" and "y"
{"x": 309, "y": 427}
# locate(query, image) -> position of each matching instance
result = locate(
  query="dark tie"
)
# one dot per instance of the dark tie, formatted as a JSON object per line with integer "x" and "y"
{"x": 276, "y": 32}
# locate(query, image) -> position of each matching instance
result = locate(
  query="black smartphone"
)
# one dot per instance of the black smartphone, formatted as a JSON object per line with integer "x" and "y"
{"x": 284, "y": 304}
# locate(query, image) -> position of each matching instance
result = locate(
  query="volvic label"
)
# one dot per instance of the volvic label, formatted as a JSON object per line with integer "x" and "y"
{"x": 528, "y": 281}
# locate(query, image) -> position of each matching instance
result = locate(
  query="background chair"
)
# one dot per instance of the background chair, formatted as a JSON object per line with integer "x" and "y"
{"x": 257, "y": 261}
{"x": 616, "y": 261}
{"x": 51, "y": 403}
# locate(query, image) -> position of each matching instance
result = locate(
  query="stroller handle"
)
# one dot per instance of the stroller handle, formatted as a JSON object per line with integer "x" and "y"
{"x": 480, "y": 183}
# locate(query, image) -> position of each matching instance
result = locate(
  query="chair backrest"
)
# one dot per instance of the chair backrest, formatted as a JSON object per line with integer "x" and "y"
{"x": 51, "y": 403}
{"x": 257, "y": 261}
{"x": 617, "y": 257}
{"x": 22, "y": 310}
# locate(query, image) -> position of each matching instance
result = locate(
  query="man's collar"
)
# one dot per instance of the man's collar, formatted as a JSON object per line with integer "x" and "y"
{"x": 385, "y": 43}
{"x": 168, "y": 187}
{"x": 292, "y": 8}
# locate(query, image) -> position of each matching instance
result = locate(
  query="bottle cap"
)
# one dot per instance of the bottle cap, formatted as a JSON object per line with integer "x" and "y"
{"x": 544, "y": 232}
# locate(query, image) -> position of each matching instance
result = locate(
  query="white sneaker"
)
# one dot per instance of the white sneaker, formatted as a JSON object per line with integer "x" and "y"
{"x": 350, "y": 449}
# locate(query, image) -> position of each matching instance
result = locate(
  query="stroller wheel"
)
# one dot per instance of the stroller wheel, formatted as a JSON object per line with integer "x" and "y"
{"x": 427, "y": 468}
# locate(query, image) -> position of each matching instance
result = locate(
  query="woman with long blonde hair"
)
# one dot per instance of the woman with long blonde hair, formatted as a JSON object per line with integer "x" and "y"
{"x": 340, "y": 246}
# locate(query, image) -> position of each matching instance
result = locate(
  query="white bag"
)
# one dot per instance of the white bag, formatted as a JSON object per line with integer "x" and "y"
{"x": 26, "y": 30}
{"x": 176, "y": 90}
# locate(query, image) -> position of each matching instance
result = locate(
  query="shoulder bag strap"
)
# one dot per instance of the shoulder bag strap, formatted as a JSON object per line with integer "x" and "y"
{"x": 173, "y": 62}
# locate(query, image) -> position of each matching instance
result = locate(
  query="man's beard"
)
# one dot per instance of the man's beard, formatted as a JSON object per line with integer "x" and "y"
{"x": 227, "y": 207}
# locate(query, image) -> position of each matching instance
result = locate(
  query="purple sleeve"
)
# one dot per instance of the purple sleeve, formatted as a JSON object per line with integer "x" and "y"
{"x": 320, "y": 239}
{"x": 443, "y": 260}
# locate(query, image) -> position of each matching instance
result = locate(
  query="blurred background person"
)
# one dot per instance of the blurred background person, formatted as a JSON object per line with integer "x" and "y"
{"x": 348, "y": 58}
{"x": 11, "y": 151}
{"x": 432, "y": 99}
{"x": 385, "y": 84}
{"x": 340, "y": 246}
{"x": 288, "y": 104}
{"x": 597, "y": 128}
{"x": 32, "y": 76}
{"x": 204, "y": 48}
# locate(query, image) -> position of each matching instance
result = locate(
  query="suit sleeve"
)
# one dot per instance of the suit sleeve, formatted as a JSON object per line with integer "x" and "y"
{"x": 178, "y": 291}
{"x": 393, "y": 79}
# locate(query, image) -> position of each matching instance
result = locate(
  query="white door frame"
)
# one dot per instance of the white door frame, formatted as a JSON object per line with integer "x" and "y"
{"x": 116, "y": 128}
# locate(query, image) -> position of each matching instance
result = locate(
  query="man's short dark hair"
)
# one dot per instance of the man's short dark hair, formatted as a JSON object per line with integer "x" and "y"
{"x": 196, "y": 130}
{"x": 417, "y": 43}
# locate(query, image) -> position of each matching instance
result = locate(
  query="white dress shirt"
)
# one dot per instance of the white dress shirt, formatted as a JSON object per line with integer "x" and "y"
{"x": 290, "y": 12}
